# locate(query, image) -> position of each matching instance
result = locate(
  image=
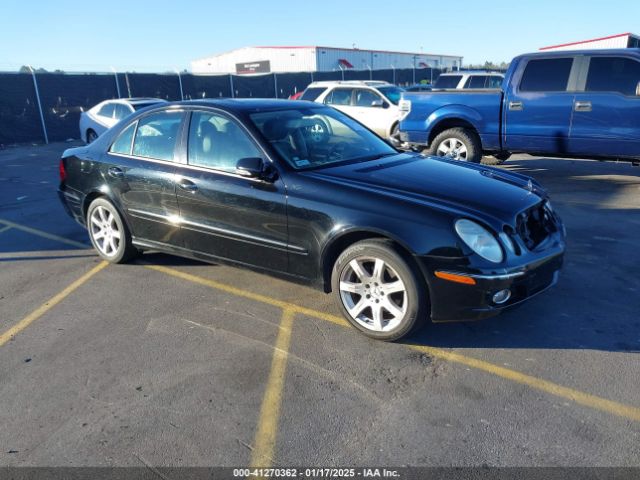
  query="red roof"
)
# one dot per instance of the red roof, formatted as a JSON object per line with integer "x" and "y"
{"x": 588, "y": 41}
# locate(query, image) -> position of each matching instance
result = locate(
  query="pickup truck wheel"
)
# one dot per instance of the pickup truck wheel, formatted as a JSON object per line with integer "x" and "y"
{"x": 457, "y": 144}
{"x": 380, "y": 292}
{"x": 497, "y": 159}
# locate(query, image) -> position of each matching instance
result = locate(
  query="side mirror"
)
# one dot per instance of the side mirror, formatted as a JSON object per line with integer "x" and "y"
{"x": 377, "y": 103}
{"x": 251, "y": 167}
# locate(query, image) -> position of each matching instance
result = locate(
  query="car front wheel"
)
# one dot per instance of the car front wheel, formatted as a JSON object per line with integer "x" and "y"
{"x": 108, "y": 232}
{"x": 379, "y": 292}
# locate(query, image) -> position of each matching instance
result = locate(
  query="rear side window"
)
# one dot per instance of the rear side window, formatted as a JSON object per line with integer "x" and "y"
{"x": 123, "y": 142}
{"x": 156, "y": 135}
{"x": 448, "y": 81}
{"x": 121, "y": 111}
{"x": 106, "y": 110}
{"x": 311, "y": 94}
{"x": 548, "y": 75}
{"x": 340, "y": 96}
{"x": 613, "y": 74}
{"x": 476, "y": 81}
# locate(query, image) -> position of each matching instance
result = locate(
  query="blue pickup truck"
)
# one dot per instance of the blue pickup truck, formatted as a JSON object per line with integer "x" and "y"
{"x": 563, "y": 104}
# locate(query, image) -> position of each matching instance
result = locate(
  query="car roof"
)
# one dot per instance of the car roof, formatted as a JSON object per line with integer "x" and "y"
{"x": 367, "y": 83}
{"x": 572, "y": 53}
{"x": 248, "y": 105}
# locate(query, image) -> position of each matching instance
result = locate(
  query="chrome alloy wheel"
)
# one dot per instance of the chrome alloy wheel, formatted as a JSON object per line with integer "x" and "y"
{"x": 105, "y": 232}
{"x": 373, "y": 293}
{"x": 452, "y": 148}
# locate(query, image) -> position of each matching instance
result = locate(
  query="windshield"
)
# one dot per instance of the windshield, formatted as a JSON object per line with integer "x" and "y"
{"x": 392, "y": 93}
{"x": 313, "y": 137}
{"x": 448, "y": 81}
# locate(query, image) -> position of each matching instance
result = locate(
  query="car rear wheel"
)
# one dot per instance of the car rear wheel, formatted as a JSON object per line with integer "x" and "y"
{"x": 380, "y": 293}
{"x": 108, "y": 233}
{"x": 457, "y": 144}
{"x": 91, "y": 136}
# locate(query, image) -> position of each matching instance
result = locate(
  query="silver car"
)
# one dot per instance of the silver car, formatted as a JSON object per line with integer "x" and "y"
{"x": 97, "y": 120}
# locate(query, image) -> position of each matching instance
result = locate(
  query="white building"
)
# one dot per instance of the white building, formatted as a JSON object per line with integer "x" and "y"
{"x": 250, "y": 60}
{"x": 623, "y": 40}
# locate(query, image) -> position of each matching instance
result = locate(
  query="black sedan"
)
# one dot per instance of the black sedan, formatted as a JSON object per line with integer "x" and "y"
{"x": 302, "y": 191}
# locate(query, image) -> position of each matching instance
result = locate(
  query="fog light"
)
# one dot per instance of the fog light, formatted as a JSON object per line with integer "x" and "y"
{"x": 501, "y": 297}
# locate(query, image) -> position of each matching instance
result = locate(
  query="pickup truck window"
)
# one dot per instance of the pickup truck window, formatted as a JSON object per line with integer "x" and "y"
{"x": 613, "y": 74}
{"x": 546, "y": 75}
{"x": 448, "y": 81}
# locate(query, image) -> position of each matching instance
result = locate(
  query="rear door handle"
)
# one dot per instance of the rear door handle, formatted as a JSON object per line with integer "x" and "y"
{"x": 517, "y": 106}
{"x": 187, "y": 185}
{"x": 115, "y": 172}
{"x": 583, "y": 107}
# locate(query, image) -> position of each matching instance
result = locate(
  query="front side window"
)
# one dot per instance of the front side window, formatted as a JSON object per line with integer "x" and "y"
{"x": 393, "y": 93}
{"x": 156, "y": 135}
{"x": 123, "y": 142}
{"x": 546, "y": 75}
{"x": 613, "y": 74}
{"x": 364, "y": 98}
{"x": 106, "y": 110}
{"x": 309, "y": 138}
{"x": 340, "y": 96}
{"x": 311, "y": 94}
{"x": 448, "y": 81}
{"x": 476, "y": 81}
{"x": 216, "y": 141}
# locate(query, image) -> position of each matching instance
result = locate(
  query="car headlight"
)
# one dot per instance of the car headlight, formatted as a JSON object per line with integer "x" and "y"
{"x": 480, "y": 240}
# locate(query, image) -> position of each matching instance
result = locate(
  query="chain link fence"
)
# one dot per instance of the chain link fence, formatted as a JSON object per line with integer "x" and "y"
{"x": 46, "y": 107}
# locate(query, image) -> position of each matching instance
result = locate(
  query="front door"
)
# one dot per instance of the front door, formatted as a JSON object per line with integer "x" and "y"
{"x": 606, "y": 115}
{"x": 224, "y": 215}
{"x": 538, "y": 108}
{"x": 141, "y": 173}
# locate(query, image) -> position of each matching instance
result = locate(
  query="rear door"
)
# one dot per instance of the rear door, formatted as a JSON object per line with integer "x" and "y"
{"x": 224, "y": 215}
{"x": 606, "y": 116}
{"x": 141, "y": 167}
{"x": 538, "y": 106}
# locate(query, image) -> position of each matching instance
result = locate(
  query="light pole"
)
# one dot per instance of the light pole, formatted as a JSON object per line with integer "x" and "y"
{"x": 35, "y": 85}
{"x": 394, "y": 73}
{"x": 342, "y": 70}
{"x": 115, "y": 74}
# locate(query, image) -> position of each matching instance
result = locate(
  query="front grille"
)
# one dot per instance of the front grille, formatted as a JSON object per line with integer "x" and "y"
{"x": 535, "y": 225}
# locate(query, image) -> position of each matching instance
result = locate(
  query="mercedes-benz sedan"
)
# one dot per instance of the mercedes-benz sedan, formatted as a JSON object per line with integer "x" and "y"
{"x": 302, "y": 191}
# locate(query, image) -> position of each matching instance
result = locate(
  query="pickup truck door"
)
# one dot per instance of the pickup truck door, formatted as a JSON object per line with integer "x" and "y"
{"x": 606, "y": 115}
{"x": 538, "y": 106}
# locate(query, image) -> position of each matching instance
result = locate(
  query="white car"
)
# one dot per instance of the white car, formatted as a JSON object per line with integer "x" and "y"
{"x": 97, "y": 120}
{"x": 374, "y": 104}
{"x": 469, "y": 80}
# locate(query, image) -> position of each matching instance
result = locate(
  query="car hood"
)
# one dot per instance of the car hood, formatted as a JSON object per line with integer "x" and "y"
{"x": 465, "y": 187}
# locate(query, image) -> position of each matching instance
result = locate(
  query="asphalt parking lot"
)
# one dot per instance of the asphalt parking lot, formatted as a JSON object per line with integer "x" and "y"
{"x": 171, "y": 362}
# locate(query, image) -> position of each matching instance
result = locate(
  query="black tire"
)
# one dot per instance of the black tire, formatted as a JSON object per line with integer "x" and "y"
{"x": 468, "y": 138}
{"x": 106, "y": 214}
{"x": 91, "y": 136}
{"x": 394, "y": 136}
{"x": 396, "y": 266}
{"x": 497, "y": 159}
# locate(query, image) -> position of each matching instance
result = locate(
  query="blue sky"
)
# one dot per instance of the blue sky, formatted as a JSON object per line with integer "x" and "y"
{"x": 161, "y": 35}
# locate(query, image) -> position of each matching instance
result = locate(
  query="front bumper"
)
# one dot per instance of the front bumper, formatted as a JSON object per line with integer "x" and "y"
{"x": 451, "y": 301}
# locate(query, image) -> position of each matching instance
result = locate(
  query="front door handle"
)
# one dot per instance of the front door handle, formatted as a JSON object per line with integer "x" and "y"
{"x": 516, "y": 106}
{"x": 583, "y": 107}
{"x": 187, "y": 185}
{"x": 115, "y": 172}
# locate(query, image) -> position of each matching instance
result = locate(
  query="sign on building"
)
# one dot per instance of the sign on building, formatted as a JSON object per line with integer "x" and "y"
{"x": 263, "y": 66}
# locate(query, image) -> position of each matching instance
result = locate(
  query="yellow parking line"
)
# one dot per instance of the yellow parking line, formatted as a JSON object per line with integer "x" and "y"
{"x": 42, "y": 233}
{"x": 49, "y": 304}
{"x": 265, "y": 440}
{"x": 582, "y": 398}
